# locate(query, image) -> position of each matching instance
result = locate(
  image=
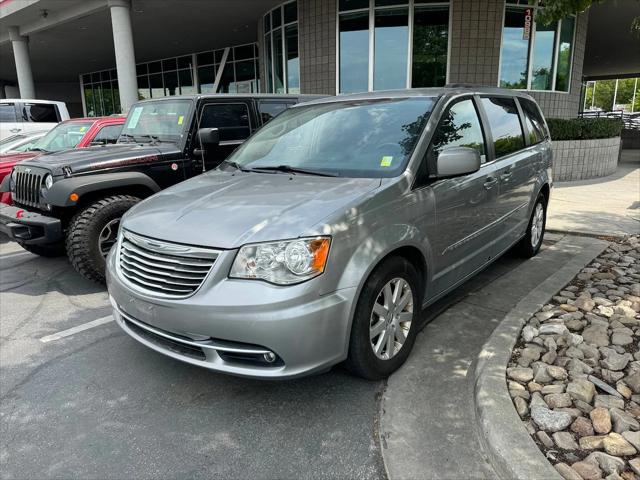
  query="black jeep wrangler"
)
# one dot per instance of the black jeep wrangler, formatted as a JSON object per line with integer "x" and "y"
{"x": 73, "y": 200}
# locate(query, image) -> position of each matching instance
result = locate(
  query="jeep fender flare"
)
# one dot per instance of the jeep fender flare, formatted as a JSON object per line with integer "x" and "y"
{"x": 59, "y": 194}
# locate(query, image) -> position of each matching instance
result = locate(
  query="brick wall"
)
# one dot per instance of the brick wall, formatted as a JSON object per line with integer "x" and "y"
{"x": 317, "y": 42}
{"x": 476, "y": 28}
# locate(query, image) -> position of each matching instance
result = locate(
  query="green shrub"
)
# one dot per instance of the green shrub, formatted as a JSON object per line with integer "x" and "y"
{"x": 584, "y": 128}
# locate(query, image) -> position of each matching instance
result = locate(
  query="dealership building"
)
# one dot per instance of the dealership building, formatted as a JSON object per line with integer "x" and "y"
{"x": 100, "y": 56}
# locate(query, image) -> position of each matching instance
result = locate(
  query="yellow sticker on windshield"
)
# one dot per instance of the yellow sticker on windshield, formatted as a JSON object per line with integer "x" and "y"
{"x": 386, "y": 161}
{"x": 82, "y": 129}
{"x": 180, "y": 119}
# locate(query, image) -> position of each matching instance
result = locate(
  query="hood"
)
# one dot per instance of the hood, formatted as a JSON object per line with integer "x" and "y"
{"x": 9, "y": 159}
{"x": 224, "y": 210}
{"x": 99, "y": 158}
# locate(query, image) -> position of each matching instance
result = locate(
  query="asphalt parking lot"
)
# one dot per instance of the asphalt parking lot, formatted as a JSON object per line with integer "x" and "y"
{"x": 96, "y": 404}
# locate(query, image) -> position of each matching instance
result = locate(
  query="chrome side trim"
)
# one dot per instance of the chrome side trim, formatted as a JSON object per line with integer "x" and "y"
{"x": 210, "y": 344}
{"x": 468, "y": 238}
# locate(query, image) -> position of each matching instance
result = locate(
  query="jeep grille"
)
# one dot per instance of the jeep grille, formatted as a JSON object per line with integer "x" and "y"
{"x": 27, "y": 187}
{"x": 162, "y": 268}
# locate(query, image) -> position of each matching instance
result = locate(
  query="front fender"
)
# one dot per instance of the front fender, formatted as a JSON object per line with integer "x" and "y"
{"x": 59, "y": 194}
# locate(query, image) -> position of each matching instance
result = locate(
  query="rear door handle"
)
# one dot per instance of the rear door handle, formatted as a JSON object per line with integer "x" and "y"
{"x": 490, "y": 182}
{"x": 506, "y": 174}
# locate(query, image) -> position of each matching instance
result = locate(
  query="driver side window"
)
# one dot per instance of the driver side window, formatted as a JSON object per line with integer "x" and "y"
{"x": 459, "y": 127}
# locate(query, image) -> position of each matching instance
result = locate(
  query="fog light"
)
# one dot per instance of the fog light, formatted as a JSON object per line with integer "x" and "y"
{"x": 269, "y": 357}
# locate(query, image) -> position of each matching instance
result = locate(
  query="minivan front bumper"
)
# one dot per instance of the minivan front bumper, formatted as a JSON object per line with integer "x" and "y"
{"x": 228, "y": 325}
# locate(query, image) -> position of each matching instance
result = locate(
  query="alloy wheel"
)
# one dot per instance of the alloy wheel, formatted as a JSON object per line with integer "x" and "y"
{"x": 537, "y": 225}
{"x": 391, "y": 318}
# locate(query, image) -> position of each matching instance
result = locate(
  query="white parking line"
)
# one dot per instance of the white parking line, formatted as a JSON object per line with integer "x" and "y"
{"x": 79, "y": 328}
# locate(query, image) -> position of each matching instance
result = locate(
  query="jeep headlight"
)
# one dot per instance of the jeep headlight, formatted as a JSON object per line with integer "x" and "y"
{"x": 48, "y": 181}
{"x": 12, "y": 179}
{"x": 283, "y": 263}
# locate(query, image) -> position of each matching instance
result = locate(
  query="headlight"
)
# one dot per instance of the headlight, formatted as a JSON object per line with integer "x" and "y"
{"x": 48, "y": 181}
{"x": 283, "y": 263}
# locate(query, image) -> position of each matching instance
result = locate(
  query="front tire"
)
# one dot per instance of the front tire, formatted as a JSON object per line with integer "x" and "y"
{"x": 386, "y": 320}
{"x": 93, "y": 231}
{"x": 530, "y": 244}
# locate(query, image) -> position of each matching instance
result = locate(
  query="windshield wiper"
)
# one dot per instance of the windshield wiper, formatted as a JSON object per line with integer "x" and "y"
{"x": 153, "y": 139}
{"x": 294, "y": 170}
{"x": 235, "y": 165}
{"x": 129, "y": 137}
{"x": 38, "y": 149}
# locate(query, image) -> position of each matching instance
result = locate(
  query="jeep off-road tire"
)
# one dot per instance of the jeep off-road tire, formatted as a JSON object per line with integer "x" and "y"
{"x": 49, "y": 251}
{"x": 83, "y": 234}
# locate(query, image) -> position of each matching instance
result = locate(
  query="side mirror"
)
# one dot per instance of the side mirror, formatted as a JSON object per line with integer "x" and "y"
{"x": 209, "y": 137}
{"x": 457, "y": 161}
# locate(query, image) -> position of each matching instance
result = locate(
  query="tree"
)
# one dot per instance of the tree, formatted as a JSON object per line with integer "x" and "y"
{"x": 555, "y": 10}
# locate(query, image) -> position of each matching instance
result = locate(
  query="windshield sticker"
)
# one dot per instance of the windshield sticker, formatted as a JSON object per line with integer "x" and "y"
{"x": 82, "y": 129}
{"x": 134, "y": 117}
{"x": 180, "y": 119}
{"x": 386, "y": 161}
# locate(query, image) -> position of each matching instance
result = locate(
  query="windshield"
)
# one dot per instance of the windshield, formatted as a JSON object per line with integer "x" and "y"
{"x": 62, "y": 137}
{"x": 164, "y": 120}
{"x": 372, "y": 138}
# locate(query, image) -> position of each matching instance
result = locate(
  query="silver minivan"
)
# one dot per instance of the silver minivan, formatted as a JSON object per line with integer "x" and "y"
{"x": 324, "y": 236}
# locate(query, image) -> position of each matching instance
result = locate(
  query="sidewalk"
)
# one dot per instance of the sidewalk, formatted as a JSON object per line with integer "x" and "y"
{"x": 429, "y": 425}
{"x": 602, "y": 206}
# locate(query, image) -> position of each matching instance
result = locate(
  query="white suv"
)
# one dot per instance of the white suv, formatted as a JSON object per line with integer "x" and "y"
{"x": 21, "y": 115}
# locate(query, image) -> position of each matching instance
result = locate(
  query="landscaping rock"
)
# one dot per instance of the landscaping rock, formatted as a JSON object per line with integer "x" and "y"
{"x": 633, "y": 438}
{"x": 520, "y": 374}
{"x": 609, "y": 401}
{"x": 545, "y": 439}
{"x": 582, "y": 427}
{"x": 581, "y": 389}
{"x": 607, "y": 463}
{"x": 615, "y": 444}
{"x": 567, "y": 472}
{"x": 601, "y": 420}
{"x": 595, "y": 442}
{"x": 565, "y": 441}
{"x": 622, "y": 421}
{"x": 577, "y": 370}
{"x": 550, "y": 421}
{"x": 604, "y": 386}
{"x": 588, "y": 470}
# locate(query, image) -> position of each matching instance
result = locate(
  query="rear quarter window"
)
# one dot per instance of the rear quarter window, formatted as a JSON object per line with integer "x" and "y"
{"x": 504, "y": 123}
{"x": 534, "y": 120}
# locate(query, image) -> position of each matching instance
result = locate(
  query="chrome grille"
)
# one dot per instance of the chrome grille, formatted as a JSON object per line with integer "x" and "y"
{"x": 163, "y": 268}
{"x": 27, "y": 187}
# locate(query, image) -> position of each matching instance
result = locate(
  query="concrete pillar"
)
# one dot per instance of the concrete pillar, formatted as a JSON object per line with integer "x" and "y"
{"x": 125, "y": 55}
{"x": 23, "y": 63}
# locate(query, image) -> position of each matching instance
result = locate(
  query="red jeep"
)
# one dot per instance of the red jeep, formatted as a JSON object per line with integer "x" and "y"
{"x": 74, "y": 133}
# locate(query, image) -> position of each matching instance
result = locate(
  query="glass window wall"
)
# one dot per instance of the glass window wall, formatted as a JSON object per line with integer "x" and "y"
{"x": 282, "y": 63}
{"x": 392, "y": 44}
{"x": 535, "y": 56}
{"x": 177, "y": 76}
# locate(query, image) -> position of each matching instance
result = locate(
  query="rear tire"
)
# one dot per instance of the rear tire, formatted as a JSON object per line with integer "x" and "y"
{"x": 530, "y": 244}
{"x": 92, "y": 232}
{"x": 50, "y": 251}
{"x": 380, "y": 316}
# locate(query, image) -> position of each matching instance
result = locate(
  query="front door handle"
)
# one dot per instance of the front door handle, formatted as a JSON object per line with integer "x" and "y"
{"x": 15, "y": 130}
{"x": 490, "y": 182}
{"x": 505, "y": 175}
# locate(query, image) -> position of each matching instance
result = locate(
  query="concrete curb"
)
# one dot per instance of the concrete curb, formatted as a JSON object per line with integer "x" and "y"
{"x": 505, "y": 440}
